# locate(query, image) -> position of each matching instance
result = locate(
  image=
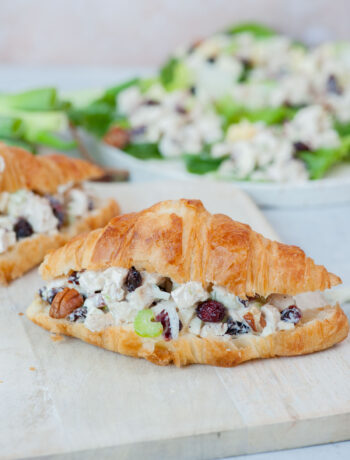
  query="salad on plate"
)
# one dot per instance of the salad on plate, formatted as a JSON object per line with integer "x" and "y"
{"x": 245, "y": 104}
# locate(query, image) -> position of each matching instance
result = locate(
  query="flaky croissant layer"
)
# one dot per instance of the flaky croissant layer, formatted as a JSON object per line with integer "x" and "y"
{"x": 183, "y": 241}
{"x": 20, "y": 169}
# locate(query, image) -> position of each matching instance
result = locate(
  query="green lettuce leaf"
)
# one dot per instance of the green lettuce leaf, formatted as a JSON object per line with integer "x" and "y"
{"x": 111, "y": 94}
{"x": 144, "y": 151}
{"x": 320, "y": 161}
{"x": 256, "y": 29}
{"x": 343, "y": 129}
{"x": 234, "y": 113}
{"x": 98, "y": 116}
{"x": 202, "y": 163}
{"x": 175, "y": 75}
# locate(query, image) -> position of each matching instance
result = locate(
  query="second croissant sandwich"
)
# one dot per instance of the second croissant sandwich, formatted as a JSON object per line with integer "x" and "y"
{"x": 174, "y": 283}
{"x": 44, "y": 203}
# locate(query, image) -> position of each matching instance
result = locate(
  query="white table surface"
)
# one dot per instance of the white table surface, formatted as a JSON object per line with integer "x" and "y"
{"x": 324, "y": 232}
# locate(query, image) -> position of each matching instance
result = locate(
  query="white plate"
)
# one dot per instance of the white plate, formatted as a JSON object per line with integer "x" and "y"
{"x": 333, "y": 189}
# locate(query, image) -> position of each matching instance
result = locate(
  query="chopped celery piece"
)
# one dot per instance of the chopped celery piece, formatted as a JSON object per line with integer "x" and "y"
{"x": 145, "y": 326}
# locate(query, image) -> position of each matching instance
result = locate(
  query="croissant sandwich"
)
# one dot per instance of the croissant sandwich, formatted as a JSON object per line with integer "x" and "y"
{"x": 44, "y": 203}
{"x": 174, "y": 283}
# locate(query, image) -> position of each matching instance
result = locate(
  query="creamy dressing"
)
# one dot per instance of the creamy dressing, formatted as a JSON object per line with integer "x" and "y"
{"x": 110, "y": 301}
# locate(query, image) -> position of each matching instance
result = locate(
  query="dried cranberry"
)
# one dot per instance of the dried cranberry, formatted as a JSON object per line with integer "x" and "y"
{"x": 236, "y": 327}
{"x": 74, "y": 278}
{"x": 211, "y": 311}
{"x": 247, "y": 64}
{"x": 244, "y": 302}
{"x": 333, "y": 85}
{"x": 151, "y": 102}
{"x": 79, "y": 314}
{"x": 48, "y": 296}
{"x": 138, "y": 131}
{"x": 181, "y": 110}
{"x": 23, "y": 228}
{"x": 291, "y": 314}
{"x": 133, "y": 279}
{"x": 301, "y": 147}
{"x": 211, "y": 59}
{"x": 91, "y": 204}
{"x": 57, "y": 209}
{"x": 163, "y": 318}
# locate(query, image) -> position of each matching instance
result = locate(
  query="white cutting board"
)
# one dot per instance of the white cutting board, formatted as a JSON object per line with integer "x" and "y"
{"x": 67, "y": 396}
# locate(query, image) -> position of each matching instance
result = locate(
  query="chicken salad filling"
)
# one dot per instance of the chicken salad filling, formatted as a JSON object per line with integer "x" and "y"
{"x": 155, "y": 306}
{"x": 25, "y": 213}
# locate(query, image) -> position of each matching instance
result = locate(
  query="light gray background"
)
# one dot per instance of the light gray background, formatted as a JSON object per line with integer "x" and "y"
{"x": 144, "y": 32}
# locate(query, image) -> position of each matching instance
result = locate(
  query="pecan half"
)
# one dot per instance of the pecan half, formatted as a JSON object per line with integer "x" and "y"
{"x": 250, "y": 320}
{"x": 117, "y": 137}
{"x": 65, "y": 302}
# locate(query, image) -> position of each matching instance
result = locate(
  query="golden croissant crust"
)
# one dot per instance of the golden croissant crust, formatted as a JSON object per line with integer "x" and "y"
{"x": 182, "y": 240}
{"x": 20, "y": 169}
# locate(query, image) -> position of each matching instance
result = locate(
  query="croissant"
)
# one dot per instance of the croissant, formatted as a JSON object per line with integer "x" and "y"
{"x": 230, "y": 273}
{"x": 39, "y": 178}
{"x": 20, "y": 169}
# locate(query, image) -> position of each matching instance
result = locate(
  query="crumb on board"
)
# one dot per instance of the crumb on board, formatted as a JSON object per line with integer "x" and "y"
{"x": 20, "y": 314}
{"x": 32, "y": 368}
{"x": 56, "y": 337}
{"x": 1, "y": 381}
